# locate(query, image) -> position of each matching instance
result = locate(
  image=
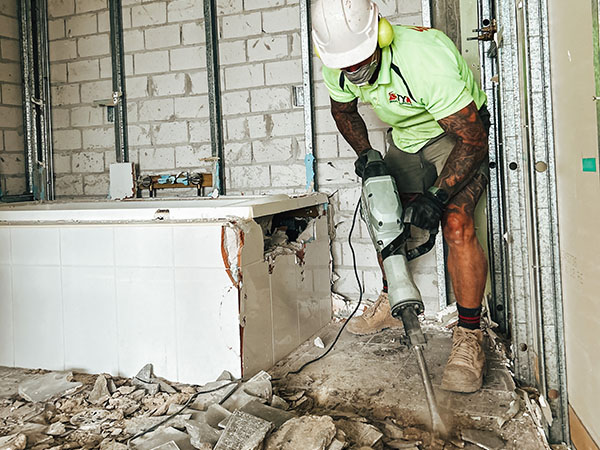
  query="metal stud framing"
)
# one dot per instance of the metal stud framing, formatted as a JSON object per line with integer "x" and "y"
{"x": 307, "y": 72}
{"x": 531, "y": 237}
{"x": 214, "y": 90}
{"x": 36, "y": 99}
{"x": 118, "y": 80}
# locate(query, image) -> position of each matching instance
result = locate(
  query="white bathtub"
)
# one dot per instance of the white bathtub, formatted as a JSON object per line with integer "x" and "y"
{"x": 184, "y": 284}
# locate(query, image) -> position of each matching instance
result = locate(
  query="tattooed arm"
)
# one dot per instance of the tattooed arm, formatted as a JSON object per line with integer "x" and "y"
{"x": 351, "y": 125}
{"x": 468, "y": 153}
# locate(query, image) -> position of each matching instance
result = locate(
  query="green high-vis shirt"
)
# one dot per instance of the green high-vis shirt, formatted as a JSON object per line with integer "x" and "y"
{"x": 423, "y": 78}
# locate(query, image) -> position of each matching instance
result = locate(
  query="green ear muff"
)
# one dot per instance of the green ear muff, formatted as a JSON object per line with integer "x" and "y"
{"x": 385, "y": 34}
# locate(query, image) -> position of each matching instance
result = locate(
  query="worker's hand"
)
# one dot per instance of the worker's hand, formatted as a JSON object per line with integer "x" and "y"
{"x": 426, "y": 210}
{"x": 363, "y": 158}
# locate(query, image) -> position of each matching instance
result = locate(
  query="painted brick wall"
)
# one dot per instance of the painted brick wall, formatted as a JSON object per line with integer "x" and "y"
{"x": 167, "y": 89}
{"x": 12, "y": 165}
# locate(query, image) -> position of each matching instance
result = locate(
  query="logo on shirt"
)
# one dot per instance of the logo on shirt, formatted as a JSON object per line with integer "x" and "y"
{"x": 397, "y": 98}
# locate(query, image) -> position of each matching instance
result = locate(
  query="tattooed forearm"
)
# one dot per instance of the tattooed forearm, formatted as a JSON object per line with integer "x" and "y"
{"x": 351, "y": 125}
{"x": 468, "y": 153}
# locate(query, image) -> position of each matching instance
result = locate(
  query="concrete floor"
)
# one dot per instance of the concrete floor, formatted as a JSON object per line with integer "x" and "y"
{"x": 377, "y": 377}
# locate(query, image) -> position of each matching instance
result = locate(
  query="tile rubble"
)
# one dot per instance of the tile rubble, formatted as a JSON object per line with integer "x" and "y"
{"x": 149, "y": 413}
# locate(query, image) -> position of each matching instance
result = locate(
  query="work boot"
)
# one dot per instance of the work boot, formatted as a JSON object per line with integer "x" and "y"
{"x": 376, "y": 318}
{"x": 464, "y": 370}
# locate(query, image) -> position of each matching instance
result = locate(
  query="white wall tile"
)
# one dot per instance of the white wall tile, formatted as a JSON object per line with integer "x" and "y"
{"x": 4, "y": 245}
{"x": 146, "y": 321}
{"x": 208, "y": 325}
{"x": 144, "y": 246}
{"x": 38, "y": 321}
{"x": 90, "y": 319}
{"x": 87, "y": 246}
{"x": 7, "y": 355}
{"x": 198, "y": 246}
{"x": 35, "y": 246}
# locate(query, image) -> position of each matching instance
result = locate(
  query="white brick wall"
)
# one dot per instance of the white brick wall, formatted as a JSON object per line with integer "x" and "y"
{"x": 12, "y": 161}
{"x": 164, "y": 40}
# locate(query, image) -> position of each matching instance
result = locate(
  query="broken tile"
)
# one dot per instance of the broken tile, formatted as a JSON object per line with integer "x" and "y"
{"x": 243, "y": 432}
{"x": 56, "y": 429}
{"x": 307, "y": 433}
{"x": 215, "y": 414}
{"x": 359, "y": 432}
{"x": 259, "y": 388}
{"x": 100, "y": 393}
{"x": 336, "y": 445}
{"x": 16, "y": 441}
{"x": 238, "y": 399}
{"x": 161, "y": 437}
{"x": 276, "y": 416}
{"x": 201, "y": 433}
{"x": 226, "y": 376}
{"x": 220, "y": 390}
{"x": 109, "y": 444}
{"x": 278, "y": 402}
{"x": 484, "y": 439}
{"x": 45, "y": 387}
{"x": 90, "y": 419}
{"x": 138, "y": 424}
{"x": 404, "y": 445}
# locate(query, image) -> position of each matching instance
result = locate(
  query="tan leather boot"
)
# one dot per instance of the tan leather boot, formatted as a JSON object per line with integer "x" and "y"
{"x": 464, "y": 370}
{"x": 376, "y": 318}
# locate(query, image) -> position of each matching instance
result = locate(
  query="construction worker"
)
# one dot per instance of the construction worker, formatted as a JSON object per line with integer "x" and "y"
{"x": 416, "y": 81}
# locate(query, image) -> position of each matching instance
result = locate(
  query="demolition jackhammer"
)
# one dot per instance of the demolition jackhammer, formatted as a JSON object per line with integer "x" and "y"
{"x": 382, "y": 212}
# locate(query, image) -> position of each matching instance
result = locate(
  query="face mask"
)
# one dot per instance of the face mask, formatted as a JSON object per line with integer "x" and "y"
{"x": 363, "y": 74}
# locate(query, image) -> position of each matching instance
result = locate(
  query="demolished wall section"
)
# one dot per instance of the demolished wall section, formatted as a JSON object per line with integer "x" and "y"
{"x": 12, "y": 160}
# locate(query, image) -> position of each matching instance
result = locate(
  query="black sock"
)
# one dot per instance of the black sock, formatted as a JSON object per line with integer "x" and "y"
{"x": 384, "y": 286}
{"x": 469, "y": 317}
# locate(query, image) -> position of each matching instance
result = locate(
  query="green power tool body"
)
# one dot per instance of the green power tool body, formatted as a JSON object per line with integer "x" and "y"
{"x": 381, "y": 210}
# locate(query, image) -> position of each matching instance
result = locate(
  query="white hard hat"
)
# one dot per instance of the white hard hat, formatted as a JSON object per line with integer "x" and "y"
{"x": 344, "y": 31}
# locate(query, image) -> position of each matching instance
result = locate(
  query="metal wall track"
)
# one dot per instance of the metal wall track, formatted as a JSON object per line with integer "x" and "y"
{"x": 37, "y": 120}
{"x": 118, "y": 80}
{"x": 531, "y": 237}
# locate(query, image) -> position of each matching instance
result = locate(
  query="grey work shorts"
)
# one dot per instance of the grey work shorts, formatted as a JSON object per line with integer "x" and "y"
{"x": 416, "y": 172}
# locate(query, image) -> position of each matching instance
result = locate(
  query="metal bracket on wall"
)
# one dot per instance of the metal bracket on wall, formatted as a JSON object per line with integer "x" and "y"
{"x": 119, "y": 101}
{"x": 214, "y": 91}
{"x": 37, "y": 120}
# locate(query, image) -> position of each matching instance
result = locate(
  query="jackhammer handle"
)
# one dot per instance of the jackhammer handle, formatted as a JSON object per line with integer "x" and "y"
{"x": 423, "y": 248}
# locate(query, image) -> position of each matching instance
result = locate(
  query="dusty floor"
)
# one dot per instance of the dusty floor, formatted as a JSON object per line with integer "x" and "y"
{"x": 368, "y": 389}
{"x": 377, "y": 377}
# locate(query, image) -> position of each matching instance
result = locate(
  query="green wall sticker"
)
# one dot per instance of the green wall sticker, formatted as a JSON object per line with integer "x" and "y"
{"x": 589, "y": 164}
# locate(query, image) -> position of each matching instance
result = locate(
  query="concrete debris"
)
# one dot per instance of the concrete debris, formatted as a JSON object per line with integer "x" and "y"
{"x": 278, "y": 402}
{"x": 216, "y": 414}
{"x": 319, "y": 342}
{"x": 276, "y": 416}
{"x": 484, "y": 439}
{"x": 48, "y": 386}
{"x": 220, "y": 391}
{"x": 404, "y": 445}
{"x": 226, "y": 376}
{"x": 163, "y": 438}
{"x": 307, "y": 433}
{"x": 360, "y": 433}
{"x": 56, "y": 429}
{"x": 152, "y": 384}
{"x": 336, "y": 445}
{"x": 13, "y": 442}
{"x": 243, "y": 432}
{"x": 100, "y": 393}
{"x": 201, "y": 434}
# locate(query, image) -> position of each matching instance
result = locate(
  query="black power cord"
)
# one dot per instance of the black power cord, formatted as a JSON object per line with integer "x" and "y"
{"x": 360, "y": 294}
{"x": 176, "y": 413}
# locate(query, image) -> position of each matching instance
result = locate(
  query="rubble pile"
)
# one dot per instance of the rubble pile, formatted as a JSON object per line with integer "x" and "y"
{"x": 64, "y": 410}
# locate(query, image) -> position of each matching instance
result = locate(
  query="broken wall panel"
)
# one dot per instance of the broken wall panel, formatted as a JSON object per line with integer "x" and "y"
{"x": 12, "y": 160}
{"x": 181, "y": 284}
